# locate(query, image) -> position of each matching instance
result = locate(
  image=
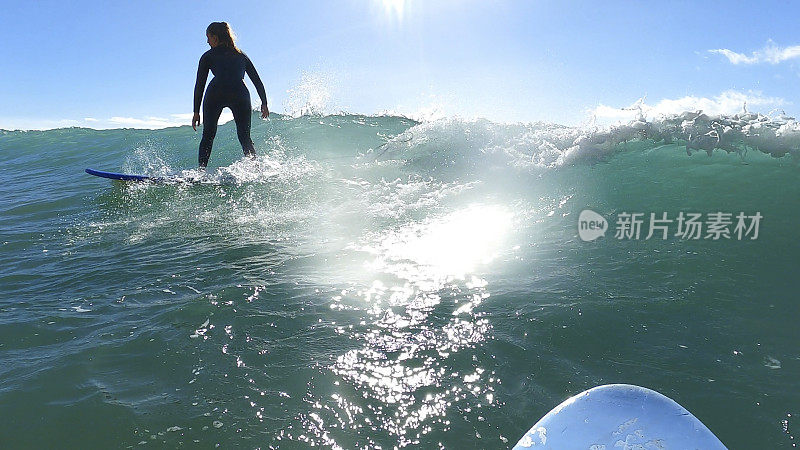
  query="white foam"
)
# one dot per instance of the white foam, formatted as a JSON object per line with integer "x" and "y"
{"x": 453, "y": 141}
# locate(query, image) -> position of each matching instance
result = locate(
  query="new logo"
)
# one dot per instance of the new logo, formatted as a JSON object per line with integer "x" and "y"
{"x": 591, "y": 225}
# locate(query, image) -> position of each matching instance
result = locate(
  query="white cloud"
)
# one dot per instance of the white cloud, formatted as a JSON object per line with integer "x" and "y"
{"x": 147, "y": 122}
{"x": 173, "y": 120}
{"x": 771, "y": 54}
{"x": 14, "y": 123}
{"x": 729, "y": 102}
{"x": 611, "y": 113}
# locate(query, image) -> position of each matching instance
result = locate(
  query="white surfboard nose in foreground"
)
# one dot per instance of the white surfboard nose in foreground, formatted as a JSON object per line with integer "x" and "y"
{"x": 617, "y": 416}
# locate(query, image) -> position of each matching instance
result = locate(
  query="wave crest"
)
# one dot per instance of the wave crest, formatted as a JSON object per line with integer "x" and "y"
{"x": 451, "y": 142}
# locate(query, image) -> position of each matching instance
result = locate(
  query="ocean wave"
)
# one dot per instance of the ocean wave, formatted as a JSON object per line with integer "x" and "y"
{"x": 445, "y": 144}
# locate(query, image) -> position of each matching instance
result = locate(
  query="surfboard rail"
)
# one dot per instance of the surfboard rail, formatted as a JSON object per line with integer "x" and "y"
{"x": 122, "y": 176}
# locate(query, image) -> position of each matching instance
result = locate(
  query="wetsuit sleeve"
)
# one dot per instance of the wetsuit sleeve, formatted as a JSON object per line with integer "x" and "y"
{"x": 200, "y": 84}
{"x": 251, "y": 72}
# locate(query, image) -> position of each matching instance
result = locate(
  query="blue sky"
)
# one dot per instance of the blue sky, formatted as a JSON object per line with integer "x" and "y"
{"x": 119, "y": 64}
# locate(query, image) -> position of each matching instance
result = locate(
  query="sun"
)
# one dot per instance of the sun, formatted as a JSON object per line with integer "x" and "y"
{"x": 394, "y": 8}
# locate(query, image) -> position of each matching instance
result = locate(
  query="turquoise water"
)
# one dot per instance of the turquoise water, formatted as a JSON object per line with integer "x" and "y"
{"x": 374, "y": 281}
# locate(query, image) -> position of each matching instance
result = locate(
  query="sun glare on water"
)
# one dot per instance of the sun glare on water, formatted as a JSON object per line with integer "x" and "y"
{"x": 452, "y": 246}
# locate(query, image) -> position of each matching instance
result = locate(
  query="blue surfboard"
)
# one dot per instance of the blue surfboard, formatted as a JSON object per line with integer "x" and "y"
{"x": 619, "y": 416}
{"x": 124, "y": 176}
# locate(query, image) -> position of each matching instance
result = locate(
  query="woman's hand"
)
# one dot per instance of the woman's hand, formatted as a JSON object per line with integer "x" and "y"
{"x": 264, "y": 111}
{"x": 195, "y": 121}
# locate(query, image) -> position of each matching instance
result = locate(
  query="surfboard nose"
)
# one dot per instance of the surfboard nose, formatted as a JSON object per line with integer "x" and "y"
{"x": 619, "y": 415}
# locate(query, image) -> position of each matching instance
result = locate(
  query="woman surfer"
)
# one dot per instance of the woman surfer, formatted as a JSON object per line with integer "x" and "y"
{"x": 226, "y": 90}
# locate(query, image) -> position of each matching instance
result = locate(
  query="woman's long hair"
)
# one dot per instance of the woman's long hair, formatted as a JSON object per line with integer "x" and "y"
{"x": 224, "y": 33}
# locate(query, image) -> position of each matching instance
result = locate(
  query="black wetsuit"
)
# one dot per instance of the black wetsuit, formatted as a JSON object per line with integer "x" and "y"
{"x": 226, "y": 89}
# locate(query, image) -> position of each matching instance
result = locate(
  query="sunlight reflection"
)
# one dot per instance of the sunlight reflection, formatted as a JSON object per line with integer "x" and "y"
{"x": 450, "y": 247}
{"x": 419, "y": 328}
